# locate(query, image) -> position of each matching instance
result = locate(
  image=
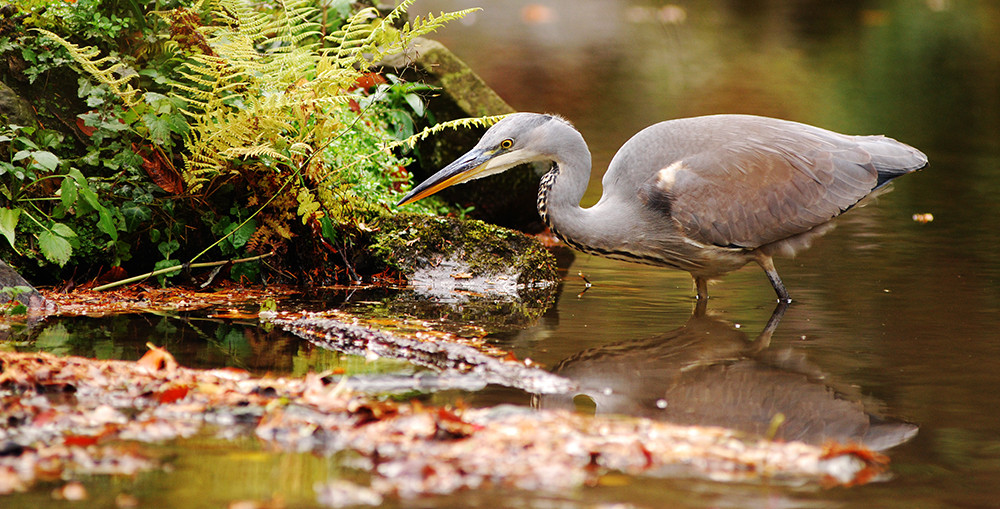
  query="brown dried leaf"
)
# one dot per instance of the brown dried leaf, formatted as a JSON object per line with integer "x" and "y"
{"x": 157, "y": 359}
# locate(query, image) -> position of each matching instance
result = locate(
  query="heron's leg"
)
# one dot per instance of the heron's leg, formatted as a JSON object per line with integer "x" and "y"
{"x": 767, "y": 264}
{"x": 701, "y": 284}
{"x": 700, "y": 306}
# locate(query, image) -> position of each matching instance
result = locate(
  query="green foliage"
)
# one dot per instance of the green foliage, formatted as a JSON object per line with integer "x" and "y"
{"x": 207, "y": 105}
{"x": 24, "y": 176}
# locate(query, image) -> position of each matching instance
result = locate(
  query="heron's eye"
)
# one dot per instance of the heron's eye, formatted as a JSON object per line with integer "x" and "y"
{"x": 506, "y": 144}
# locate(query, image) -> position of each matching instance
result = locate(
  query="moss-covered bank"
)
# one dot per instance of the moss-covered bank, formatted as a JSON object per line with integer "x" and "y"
{"x": 408, "y": 242}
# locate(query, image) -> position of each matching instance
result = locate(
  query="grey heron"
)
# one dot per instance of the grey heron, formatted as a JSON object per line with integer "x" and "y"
{"x": 705, "y": 194}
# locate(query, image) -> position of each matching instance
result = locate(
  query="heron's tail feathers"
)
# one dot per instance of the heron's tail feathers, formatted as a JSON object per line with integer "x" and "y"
{"x": 891, "y": 158}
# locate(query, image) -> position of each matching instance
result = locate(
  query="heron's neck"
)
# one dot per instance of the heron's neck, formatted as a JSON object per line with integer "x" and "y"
{"x": 559, "y": 195}
{"x": 594, "y": 229}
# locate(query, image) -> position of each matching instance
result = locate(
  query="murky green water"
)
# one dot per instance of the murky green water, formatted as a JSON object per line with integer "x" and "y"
{"x": 902, "y": 316}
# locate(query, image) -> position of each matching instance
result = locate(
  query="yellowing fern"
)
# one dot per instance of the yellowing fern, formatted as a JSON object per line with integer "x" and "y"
{"x": 116, "y": 76}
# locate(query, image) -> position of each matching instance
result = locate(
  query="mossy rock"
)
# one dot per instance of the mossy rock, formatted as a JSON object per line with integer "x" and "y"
{"x": 452, "y": 254}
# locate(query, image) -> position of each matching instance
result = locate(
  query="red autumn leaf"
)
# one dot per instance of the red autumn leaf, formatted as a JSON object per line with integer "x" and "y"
{"x": 172, "y": 394}
{"x": 79, "y": 440}
{"x": 453, "y": 425}
{"x": 159, "y": 169}
{"x": 369, "y": 80}
{"x": 84, "y": 128}
{"x": 112, "y": 274}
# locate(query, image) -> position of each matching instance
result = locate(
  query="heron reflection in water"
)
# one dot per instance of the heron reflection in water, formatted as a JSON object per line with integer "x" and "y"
{"x": 709, "y": 373}
{"x": 706, "y": 195}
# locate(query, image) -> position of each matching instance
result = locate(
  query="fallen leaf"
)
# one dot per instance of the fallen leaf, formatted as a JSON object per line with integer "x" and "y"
{"x": 157, "y": 359}
{"x": 79, "y": 440}
{"x": 172, "y": 394}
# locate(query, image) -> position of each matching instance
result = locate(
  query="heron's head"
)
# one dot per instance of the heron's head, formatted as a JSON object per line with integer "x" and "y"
{"x": 518, "y": 138}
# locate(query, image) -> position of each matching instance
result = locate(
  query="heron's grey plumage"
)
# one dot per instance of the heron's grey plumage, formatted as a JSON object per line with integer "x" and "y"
{"x": 705, "y": 194}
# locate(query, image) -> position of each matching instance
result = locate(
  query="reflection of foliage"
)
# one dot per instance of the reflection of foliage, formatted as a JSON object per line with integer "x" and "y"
{"x": 262, "y": 119}
{"x": 14, "y": 306}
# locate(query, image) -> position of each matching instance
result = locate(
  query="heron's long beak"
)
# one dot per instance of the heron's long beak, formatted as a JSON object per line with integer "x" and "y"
{"x": 470, "y": 166}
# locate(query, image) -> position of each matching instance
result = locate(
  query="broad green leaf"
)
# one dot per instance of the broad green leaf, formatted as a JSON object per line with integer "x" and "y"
{"x": 152, "y": 98}
{"x": 17, "y": 308}
{"x": 135, "y": 215}
{"x": 163, "y": 264}
{"x": 178, "y": 123}
{"x": 54, "y": 247}
{"x": 49, "y": 138}
{"x": 62, "y": 230}
{"x": 106, "y": 224}
{"x": 416, "y": 103}
{"x": 77, "y": 175}
{"x": 68, "y": 192}
{"x": 243, "y": 234}
{"x": 159, "y": 128}
{"x": 168, "y": 247}
{"x": 8, "y": 221}
{"x": 327, "y": 229}
{"x": 46, "y": 159}
{"x": 89, "y": 196}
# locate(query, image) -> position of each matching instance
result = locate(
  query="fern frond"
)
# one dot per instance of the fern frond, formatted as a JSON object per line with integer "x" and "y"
{"x": 461, "y": 123}
{"x": 398, "y": 12}
{"x": 431, "y": 23}
{"x": 257, "y": 151}
{"x": 116, "y": 75}
{"x": 297, "y": 25}
{"x": 350, "y": 40}
{"x": 386, "y": 40}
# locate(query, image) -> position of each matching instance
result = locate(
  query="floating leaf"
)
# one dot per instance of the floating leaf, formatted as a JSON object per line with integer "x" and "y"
{"x": 158, "y": 358}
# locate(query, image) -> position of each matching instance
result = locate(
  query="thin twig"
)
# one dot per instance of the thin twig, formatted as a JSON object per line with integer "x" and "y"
{"x": 176, "y": 268}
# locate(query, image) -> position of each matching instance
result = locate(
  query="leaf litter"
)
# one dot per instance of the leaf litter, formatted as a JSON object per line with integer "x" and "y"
{"x": 63, "y": 417}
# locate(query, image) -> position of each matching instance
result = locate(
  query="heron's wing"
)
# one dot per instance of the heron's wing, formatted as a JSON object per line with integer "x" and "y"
{"x": 752, "y": 192}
